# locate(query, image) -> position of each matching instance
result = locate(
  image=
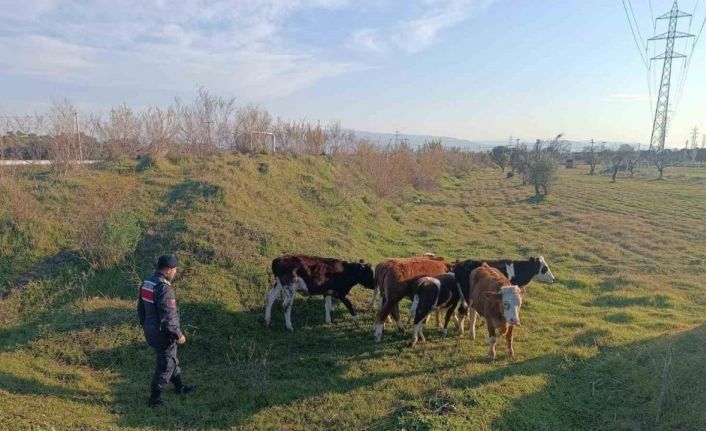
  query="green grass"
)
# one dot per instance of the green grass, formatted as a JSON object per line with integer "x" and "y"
{"x": 591, "y": 352}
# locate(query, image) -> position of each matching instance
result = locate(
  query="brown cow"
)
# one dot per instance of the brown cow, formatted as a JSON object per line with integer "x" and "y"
{"x": 313, "y": 275}
{"x": 391, "y": 277}
{"x": 498, "y": 301}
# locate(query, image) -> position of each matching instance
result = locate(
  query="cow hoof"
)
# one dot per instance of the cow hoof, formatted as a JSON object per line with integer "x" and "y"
{"x": 328, "y": 322}
{"x": 411, "y": 344}
{"x": 444, "y": 331}
{"x": 266, "y": 324}
{"x": 290, "y": 328}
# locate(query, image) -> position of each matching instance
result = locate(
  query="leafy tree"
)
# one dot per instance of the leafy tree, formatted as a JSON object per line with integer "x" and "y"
{"x": 500, "y": 155}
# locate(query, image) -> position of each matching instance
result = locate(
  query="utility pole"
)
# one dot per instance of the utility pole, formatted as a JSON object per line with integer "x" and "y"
{"x": 694, "y": 134}
{"x": 659, "y": 126}
{"x": 78, "y": 136}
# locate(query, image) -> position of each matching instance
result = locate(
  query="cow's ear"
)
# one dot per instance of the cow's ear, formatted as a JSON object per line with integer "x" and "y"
{"x": 532, "y": 259}
{"x": 361, "y": 261}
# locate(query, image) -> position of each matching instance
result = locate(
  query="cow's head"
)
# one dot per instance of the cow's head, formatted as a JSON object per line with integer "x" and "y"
{"x": 364, "y": 274}
{"x": 543, "y": 273}
{"x": 511, "y": 301}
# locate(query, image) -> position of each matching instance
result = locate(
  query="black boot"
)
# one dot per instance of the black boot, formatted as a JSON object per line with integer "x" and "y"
{"x": 181, "y": 388}
{"x": 155, "y": 399}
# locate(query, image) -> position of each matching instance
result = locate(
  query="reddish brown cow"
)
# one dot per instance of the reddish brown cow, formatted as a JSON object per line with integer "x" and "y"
{"x": 313, "y": 275}
{"x": 498, "y": 301}
{"x": 391, "y": 278}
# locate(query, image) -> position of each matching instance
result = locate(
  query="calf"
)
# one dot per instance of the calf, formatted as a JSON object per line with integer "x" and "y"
{"x": 392, "y": 275}
{"x": 519, "y": 272}
{"x": 432, "y": 293}
{"x": 312, "y": 275}
{"x": 498, "y": 301}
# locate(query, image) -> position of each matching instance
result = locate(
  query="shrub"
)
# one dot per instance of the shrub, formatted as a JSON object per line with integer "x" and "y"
{"x": 500, "y": 156}
{"x": 106, "y": 242}
{"x": 542, "y": 173}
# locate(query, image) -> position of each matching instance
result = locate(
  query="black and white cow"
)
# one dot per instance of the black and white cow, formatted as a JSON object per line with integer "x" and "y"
{"x": 313, "y": 275}
{"x": 433, "y": 293}
{"x": 519, "y": 272}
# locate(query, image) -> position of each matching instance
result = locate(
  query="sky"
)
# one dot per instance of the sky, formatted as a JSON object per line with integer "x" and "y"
{"x": 472, "y": 69}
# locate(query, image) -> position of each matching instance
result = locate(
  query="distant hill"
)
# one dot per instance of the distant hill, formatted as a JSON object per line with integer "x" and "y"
{"x": 418, "y": 140}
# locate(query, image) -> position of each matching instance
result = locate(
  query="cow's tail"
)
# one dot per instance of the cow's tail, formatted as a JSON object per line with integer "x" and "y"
{"x": 413, "y": 307}
{"x": 379, "y": 282}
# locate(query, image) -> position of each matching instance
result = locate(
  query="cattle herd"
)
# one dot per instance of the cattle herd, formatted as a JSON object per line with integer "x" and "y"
{"x": 493, "y": 289}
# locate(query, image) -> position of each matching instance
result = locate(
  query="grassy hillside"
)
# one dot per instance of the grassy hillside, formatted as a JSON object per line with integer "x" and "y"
{"x": 617, "y": 343}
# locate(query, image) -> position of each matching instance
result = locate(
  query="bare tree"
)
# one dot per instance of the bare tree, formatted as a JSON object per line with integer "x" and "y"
{"x": 658, "y": 159}
{"x": 66, "y": 144}
{"x": 120, "y": 133}
{"x": 248, "y": 120}
{"x": 159, "y": 130}
{"x": 593, "y": 157}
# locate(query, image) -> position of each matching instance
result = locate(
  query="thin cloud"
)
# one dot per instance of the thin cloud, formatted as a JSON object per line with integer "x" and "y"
{"x": 419, "y": 33}
{"x": 233, "y": 47}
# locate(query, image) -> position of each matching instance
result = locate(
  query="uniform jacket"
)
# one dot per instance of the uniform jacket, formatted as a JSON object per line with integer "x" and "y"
{"x": 157, "y": 310}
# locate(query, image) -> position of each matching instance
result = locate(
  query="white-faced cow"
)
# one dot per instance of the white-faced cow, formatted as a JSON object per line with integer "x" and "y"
{"x": 392, "y": 276}
{"x": 432, "y": 293}
{"x": 519, "y": 272}
{"x": 312, "y": 275}
{"x": 498, "y": 301}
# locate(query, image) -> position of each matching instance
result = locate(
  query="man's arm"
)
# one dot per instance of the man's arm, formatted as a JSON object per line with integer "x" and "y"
{"x": 165, "y": 301}
{"x": 140, "y": 306}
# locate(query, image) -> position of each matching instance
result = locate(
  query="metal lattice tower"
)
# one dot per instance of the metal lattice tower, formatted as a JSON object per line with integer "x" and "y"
{"x": 659, "y": 127}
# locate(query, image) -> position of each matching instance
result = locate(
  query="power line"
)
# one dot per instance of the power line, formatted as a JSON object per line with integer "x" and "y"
{"x": 652, "y": 15}
{"x": 637, "y": 26}
{"x": 634, "y": 36}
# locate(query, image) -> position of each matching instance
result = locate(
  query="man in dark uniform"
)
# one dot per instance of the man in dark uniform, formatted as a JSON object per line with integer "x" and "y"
{"x": 157, "y": 310}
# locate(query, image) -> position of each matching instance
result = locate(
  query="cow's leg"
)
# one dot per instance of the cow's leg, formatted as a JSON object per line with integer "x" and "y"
{"x": 381, "y": 303}
{"x": 383, "y": 314}
{"x": 438, "y": 318}
{"x": 271, "y": 296}
{"x": 415, "y": 334}
{"x": 396, "y": 317}
{"x": 474, "y": 316}
{"x": 376, "y": 292}
{"x": 491, "y": 341}
{"x": 421, "y": 310}
{"x": 450, "y": 313}
{"x": 349, "y": 306}
{"x": 327, "y": 306}
{"x": 288, "y": 301}
{"x": 508, "y": 338}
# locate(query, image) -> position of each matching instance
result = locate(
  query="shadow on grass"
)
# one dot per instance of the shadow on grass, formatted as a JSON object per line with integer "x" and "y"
{"x": 648, "y": 384}
{"x": 240, "y": 366}
{"x": 536, "y": 200}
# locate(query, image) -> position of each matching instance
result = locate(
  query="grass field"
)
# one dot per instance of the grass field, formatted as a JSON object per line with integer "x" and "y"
{"x": 618, "y": 342}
